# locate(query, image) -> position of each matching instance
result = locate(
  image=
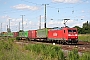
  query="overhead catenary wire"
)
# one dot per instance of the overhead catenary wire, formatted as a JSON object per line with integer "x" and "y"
{"x": 58, "y": 9}
{"x": 34, "y": 4}
{"x": 53, "y": 7}
{"x": 48, "y": 6}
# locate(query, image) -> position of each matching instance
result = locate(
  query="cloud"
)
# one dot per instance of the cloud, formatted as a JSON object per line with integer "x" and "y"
{"x": 83, "y": 11}
{"x": 83, "y": 17}
{"x": 87, "y": 1}
{"x": 25, "y": 7}
{"x": 70, "y": 23}
{"x": 31, "y": 25}
{"x": 55, "y": 23}
{"x": 5, "y": 17}
{"x": 66, "y": 1}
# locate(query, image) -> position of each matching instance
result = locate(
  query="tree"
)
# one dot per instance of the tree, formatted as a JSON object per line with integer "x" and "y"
{"x": 86, "y": 27}
{"x": 79, "y": 29}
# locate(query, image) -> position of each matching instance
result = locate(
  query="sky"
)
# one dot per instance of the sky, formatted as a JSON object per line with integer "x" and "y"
{"x": 56, "y": 12}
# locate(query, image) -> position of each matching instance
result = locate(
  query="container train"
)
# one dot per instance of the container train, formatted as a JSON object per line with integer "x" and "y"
{"x": 61, "y": 35}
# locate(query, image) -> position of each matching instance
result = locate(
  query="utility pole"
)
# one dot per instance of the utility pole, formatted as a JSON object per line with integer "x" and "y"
{"x": 22, "y": 25}
{"x": 45, "y": 15}
{"x": 19, "y": 26}
{"x": 40, "y": 23}
{"x": 9, "y": 26}
{"x": 22, "y": 22}
{"x": 9, "y": 23}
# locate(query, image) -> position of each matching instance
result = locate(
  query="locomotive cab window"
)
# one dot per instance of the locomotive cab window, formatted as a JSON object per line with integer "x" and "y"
{"x": 74, "y": 30}
{"x": 64, "y": 31}
{"x": 69, "y": 30}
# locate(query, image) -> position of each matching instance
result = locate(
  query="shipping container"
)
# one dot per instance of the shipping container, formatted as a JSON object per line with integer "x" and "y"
{"x": 42, "y": 33}
{"x": 25, "y": 33}
{"x": 32, "y": 34}
{"x": 10, "y": 34}
{"x": 4, "y": 34}
{"x": 15, "y": 34}
{"x": 21, "y": 34}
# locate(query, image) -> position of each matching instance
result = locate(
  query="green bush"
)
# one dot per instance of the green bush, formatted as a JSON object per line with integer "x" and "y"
{"x": 11, "y": 51}
{"x": 73, "y": 55}
{"x": 48, "y": 51}
{"x": 17, "y": 38}
{"x": 61, "y": 55}
{"x": 85, "y": 56}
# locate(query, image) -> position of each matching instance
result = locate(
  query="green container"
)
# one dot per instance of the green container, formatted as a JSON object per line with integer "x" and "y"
{"x": 10, "y": 34}
{"x": 5, "y": 34}
{"x": 23, "y": 34}
{"x": 42, "y": 33}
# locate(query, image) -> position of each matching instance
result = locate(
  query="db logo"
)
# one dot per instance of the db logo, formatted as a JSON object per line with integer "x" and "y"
{"x": 54, "y": 34}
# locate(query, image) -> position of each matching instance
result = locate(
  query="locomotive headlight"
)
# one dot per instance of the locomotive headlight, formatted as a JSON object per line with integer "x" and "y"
{"x": 69, "y": 35}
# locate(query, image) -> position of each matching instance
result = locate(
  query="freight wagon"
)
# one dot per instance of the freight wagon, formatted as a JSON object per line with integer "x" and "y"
{"x": 21, "y": 35}
{"x": 6, "y": 34}
{"x": 42, "y": 34}
{"x": 32, "y": 34}
{"x": 15, "y": 34}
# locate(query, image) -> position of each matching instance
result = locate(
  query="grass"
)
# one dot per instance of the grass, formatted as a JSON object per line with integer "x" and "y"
{"x": 73, "y": 55}
{"x": 84, "y": 37}
{"x": 48, "y": 51}
{"x": 9, "y": 50}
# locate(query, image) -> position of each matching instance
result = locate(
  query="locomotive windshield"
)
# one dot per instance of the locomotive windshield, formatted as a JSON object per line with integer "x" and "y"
{"x": 74, "y": 30}
{"x": 71, "y": 30}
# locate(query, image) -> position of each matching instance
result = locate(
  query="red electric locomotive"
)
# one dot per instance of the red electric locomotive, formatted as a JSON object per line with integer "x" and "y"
{"x": 63, "y": 35}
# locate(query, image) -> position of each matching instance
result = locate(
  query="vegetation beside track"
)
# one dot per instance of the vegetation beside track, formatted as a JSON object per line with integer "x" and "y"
{"x": 84, "y": 37}
{"x": 9, "y": 50}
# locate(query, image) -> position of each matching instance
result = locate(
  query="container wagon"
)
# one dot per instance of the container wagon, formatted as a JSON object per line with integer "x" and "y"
{"x": 15, "y": 34}
{"x": 42, "y": 34}
{"x": 32, "y": 34}
{"x": 23, "y": 35}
